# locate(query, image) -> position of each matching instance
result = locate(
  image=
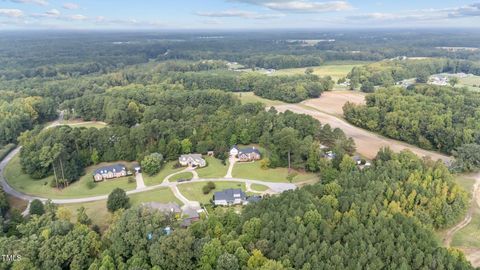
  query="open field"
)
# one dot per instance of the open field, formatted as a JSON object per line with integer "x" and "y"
{"x": 215, "y": 169}
{"x": 184, "y": 175}
{"x": 250, "y": 97}
{"x": 252, "y": 170}
{"x": 80, "y": 123}
{"x": 167, "y": 169}
{"x": 99, "y": 214}
{"x": 469, "y": 236}
{"x": 41, "y": 187}
{"x": 332, "y": 102}
{"x": 193, "y": 191}
{"x": 336, "y": 69}
{"x": 368, "y": 143}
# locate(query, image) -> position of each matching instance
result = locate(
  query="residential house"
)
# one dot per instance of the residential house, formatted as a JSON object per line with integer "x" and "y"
{"x": 245, "y": 154}
{"x": 190, "y": 215}
{"x": 193, "y": 160}
{"x": 229, "y": 197}
{"x": 109, "y": 172}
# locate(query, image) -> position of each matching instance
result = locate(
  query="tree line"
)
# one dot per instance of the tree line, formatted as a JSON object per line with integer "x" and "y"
{"x": 172, "y": 123}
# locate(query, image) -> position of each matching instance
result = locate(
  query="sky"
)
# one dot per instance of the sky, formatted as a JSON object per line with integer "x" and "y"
{"x": 236, "y": 14}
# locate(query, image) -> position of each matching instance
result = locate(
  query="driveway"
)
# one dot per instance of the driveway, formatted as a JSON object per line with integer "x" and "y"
{"x": 140, "y": 182}
{"x": 231, "y": 162}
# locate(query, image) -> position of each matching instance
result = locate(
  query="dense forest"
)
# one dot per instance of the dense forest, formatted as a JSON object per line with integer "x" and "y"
{"x": 432, "y": 117}
{"x": 380, "y": 217}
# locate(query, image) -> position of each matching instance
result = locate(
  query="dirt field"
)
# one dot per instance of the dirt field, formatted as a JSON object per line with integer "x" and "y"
{"x": 333, "y": 101}
{"x": 327, "y": 110}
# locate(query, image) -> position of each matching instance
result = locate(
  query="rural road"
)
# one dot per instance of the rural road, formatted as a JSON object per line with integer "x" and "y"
{"x": 468, "y": 218}
{"x": 276, "y": 187}
{"x": 367, "y": 143}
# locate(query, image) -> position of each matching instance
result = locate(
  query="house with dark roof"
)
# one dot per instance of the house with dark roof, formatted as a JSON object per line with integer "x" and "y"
{"x": 109, "y": 172}
{"x": 249, "y": 154}
{"x": 229, "y": 197}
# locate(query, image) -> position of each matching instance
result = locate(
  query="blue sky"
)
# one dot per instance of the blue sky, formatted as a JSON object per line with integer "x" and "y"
{"x": 235, "y": 14}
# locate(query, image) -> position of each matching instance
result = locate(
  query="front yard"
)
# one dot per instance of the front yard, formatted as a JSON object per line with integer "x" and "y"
{"x": 193, "y": 191}
{"x": 167, "y": 169}
{"x": 41, "y": 187}
{"x": 214, "y": 169}
{"x": 253, "y": 171}
{"x": 99, "y": 214}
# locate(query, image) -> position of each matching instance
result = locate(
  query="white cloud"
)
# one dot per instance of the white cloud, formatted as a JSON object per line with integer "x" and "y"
{"x": 472, "y": 10}
{"x": 53, "y": 12}
{"x": 35, "y": 2}
{"x": 239, "y": 14}
{"x": 304, "y": 6}
{"x": 70, "y": 6}
{"x": 300, "y": 6}
{"x": 11, "y": 13}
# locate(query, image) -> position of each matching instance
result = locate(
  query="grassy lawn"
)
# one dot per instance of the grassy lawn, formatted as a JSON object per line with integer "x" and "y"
{"x": 252, "y": 170}
{"x": 89, "y": 124}
{"x": 335, "y": 69}
{"x": 184, "y": 175}
{"x": 215, "y": 169}
{"x": 250, "y": 97}
{"x": 41, "y": 187}
{"x": 469, "y": 236}
{"x": 193, "y": 191}
{"x": 466, "y": 181}
{"x": 167, "y": 169}
{"x": 99, "y": 214}
{"x": 258, "y": 187}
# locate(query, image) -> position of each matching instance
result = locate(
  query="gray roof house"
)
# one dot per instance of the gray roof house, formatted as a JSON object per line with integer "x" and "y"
{"x": 229, "y": 197}
{"x": 109, "y": 172}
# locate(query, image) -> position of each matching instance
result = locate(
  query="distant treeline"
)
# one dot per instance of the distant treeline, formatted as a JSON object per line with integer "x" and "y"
{"x": 388, "y": 72}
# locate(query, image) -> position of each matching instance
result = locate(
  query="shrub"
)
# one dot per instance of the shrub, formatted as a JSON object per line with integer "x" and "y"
{"x": 208, "y": 187}
{"x": 91, "y": 185}
{"x": 152, "y": 163}
{"x": 36, "y": 208}
{"x": 117, "y": 199}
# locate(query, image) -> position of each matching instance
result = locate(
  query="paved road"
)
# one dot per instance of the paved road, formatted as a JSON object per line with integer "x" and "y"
{"x": 367, "y": 143}
{"x": 276, "y": 187}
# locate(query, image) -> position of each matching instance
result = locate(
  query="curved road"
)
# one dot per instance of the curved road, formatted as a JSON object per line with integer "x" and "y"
{"x": 367, "y": 143}
{"x": 276, "y": 187}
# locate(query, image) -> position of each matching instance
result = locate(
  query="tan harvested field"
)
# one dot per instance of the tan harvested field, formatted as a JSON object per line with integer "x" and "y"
{"x": 328, "y": 111}
{"x": 332, "y": 102}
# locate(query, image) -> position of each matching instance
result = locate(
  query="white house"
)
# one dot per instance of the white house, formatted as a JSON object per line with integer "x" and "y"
{"x": 193, "y": 160}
